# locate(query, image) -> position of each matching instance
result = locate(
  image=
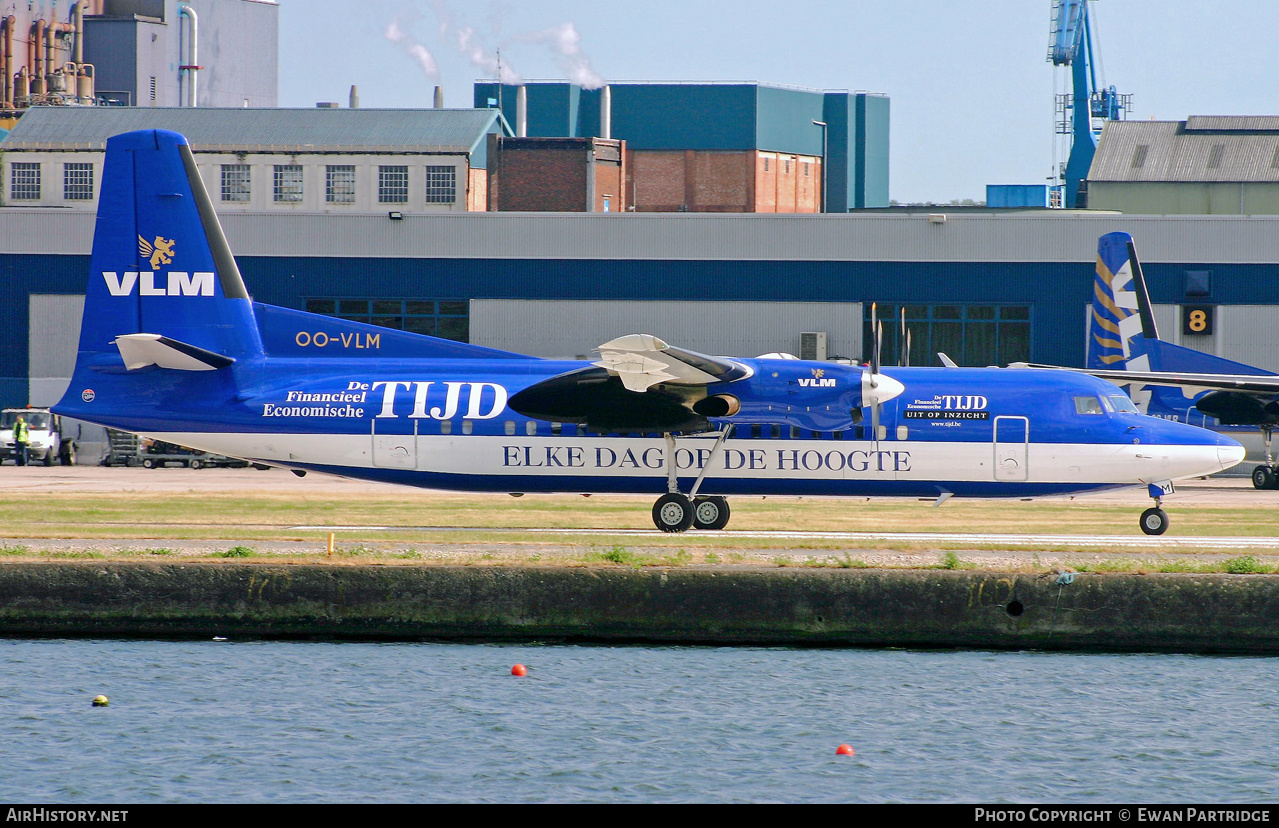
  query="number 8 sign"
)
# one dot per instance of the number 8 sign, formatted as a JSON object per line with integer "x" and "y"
{"x": 1196, "y": 320}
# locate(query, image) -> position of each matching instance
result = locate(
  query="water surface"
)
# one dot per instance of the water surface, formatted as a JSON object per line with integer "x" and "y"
{"x": 361, "y": 722}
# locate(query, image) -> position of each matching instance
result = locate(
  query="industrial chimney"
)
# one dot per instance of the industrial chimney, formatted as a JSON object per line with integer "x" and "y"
{"x": 521, "y": 112}
{"x": 355, "y": 97}
{"x": 439, "y": 97}
{"x": 606, "y": 112}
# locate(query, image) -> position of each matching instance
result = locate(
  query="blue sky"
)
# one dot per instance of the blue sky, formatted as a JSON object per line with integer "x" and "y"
{"x": 971, "y": 89}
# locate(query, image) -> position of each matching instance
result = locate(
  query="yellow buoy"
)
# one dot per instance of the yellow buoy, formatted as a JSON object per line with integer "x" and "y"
{"x": 101, "y": 701}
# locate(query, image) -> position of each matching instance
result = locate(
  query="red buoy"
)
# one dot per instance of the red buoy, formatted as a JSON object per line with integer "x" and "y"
{"x": 521, "y": 670}
{"x": 844, "y": 750}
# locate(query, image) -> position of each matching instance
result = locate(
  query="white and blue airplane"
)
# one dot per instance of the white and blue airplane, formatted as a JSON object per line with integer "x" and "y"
{"x": 172, "y": 347}
{"x": 1167, "y": 380}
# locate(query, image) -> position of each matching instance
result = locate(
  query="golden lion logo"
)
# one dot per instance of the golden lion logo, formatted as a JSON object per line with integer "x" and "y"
{"x": 160, "y": 252}
{"x": 818, "y": 373}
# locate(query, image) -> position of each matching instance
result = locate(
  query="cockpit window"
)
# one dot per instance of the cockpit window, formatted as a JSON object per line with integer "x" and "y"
{"x": 1122, "y": 403}
{"x": 1088, "y": 405}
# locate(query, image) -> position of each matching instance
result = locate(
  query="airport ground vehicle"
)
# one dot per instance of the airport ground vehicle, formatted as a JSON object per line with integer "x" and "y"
{"x": 44, "y": 432}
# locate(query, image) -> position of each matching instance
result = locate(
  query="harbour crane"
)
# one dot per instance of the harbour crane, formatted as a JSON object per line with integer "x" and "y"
{"x": 1071, "y": 45}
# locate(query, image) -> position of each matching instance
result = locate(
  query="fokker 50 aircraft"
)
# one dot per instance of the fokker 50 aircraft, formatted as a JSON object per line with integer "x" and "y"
{"x": 1189, "y": 386}
{"x": 173, "y": 347}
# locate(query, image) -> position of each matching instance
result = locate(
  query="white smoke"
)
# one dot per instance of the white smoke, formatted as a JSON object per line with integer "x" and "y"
{"x": 396, "y": 34}
{"x": 564, "y": 41}
{"x": 469, "y": 45}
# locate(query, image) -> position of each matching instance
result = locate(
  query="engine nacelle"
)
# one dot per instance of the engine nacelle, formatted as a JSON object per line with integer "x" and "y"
{"x": 823, "y": 396}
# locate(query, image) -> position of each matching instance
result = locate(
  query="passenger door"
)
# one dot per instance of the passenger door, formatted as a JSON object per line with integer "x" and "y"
{"x": 1012, "y": 448}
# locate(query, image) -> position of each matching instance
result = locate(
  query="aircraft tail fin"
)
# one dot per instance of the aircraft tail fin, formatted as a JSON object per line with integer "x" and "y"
{"x": 1123, "y": 332}
{"x": 1120, "y": 304}
{"x": 160, "y": 264}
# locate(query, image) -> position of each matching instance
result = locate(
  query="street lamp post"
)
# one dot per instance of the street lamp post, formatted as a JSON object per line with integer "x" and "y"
{"x": 822, "y": 124}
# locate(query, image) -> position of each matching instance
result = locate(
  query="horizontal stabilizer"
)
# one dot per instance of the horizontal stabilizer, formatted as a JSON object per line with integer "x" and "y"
{"x": 143, "y": 349}
{"x": 642, "y": 361}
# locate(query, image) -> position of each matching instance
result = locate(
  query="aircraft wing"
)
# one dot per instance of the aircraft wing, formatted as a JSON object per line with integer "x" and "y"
{"x": 642, "y": 361}
{"x": 1259, "y": 384}
{"x": 640, "y": 383}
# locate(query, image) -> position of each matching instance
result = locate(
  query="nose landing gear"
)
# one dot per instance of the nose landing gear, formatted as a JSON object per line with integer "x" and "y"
{"x": 1154, "y": 521}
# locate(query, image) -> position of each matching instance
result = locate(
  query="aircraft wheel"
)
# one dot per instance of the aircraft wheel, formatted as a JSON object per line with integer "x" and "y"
{"x": 68, "y": 457}
{"x": 1154, "y": 521}
{"x": 673, "y": 513}
{"x": 196, "y": 464}
{"x": 710, "y": 513}
{"x": 48, "y": 457}
{"x": 1263, "y": 477}
{"x": 148, "y": 463}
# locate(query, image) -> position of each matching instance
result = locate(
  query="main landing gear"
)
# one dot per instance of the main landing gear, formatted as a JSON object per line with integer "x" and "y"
{"x": 1266, "y": 476}
{"x": 1154, "y": 521}
{"x": 677, "y": 512}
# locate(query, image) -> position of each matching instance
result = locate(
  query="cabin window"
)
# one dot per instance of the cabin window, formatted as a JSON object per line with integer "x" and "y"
{"x": 581, "y": 429}
{"x": 839, "y": 435}
{"x": 467, "y": 426}
{"x": 757, "y": 431}
{"x": 775, "y": 431}
{"x": 510, "y": 427}
{"x": 1088, "y": 405}
{"x": 557, "y": 429}
{"x": 794, "y": 432}
{"x": 446, "y": 426}
{"x": 859, "y": 433}
{"x": 1122, "y": 403}
{"x": 530, "y": 428}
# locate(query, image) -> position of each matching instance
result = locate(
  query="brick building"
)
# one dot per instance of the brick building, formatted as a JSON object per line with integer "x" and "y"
{"x": 570, "y": 175}
{"x": 721, "y": 147}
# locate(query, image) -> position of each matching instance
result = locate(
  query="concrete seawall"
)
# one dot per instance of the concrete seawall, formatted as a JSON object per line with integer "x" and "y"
{"x": 713, "y": 605}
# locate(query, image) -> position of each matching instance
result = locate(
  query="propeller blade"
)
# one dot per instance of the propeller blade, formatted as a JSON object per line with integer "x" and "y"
{"x": 903, "y": 341}
{"x": 879, "y": 343}
{"x": 874, "y": 423}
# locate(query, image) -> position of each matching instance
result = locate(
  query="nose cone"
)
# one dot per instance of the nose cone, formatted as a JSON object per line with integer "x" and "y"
{"x": 1229, "y": 454}
{"x": 1183, "y": 450}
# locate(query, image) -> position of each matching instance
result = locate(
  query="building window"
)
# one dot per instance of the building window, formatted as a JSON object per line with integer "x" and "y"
{"x": 77, "y": 182}
{"x": 393, "y": 185}
{"x": 786, "y": 169}
{"x": 24, "y": 181}
{"x": 441, "y": 185}
{"x": 973, "y": 335}
{"x": 765, "y": 165}
{"x": 235, "y": 182}
{"x": 449, "y": 319}
{"x": 288, "y": 183}
{"x": 339, "y": 184}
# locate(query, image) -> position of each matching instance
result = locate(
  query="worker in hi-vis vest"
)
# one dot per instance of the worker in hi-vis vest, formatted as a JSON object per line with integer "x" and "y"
{"x": 20, "y": 435}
